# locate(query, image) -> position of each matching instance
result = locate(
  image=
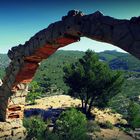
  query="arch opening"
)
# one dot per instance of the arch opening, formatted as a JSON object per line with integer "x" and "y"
{"x": 25, "y": 58}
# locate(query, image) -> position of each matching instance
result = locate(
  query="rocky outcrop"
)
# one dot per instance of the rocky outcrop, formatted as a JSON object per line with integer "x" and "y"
{"x": 12, "y": 130}
{"x": 25, "y": 58}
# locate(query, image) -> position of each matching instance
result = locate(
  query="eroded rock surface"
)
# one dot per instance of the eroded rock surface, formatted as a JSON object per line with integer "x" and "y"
{"x": 12, "y": 130}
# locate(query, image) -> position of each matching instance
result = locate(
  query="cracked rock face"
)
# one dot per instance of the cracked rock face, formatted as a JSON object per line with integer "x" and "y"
{"x": 25, "y": 58}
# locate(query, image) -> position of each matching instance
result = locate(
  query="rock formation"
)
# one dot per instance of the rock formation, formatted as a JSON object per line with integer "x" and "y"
{"x": 25, "y": 58}
{"x": 12, "y": 130}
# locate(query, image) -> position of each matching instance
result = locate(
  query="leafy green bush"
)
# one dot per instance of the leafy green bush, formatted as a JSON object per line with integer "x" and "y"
{"x": 35, "y": 127}
{"x": 52, "y": 136}
{"x": 134, "y": 115}
{"x": 136, "y": 121}
{"x": 35, "y": 92}
{"x": 71, "y": 125}
{"x": 93, "y": 126}
{"x": 32, "y": 96}
{"x": 107, "y": 124}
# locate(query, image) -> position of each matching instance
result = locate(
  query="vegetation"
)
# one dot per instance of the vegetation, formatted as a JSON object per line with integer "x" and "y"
{"x": 134, "y": 115}
{"x": 4, "y": 61}
{"x": 49, "y": 80}
{"x": 35, "y": 92}
{"x": 71, "y": 125}
{"x": 92, "y": 81}
{"x": 93, "y": 126}
{"x": 35, "y": 127}
{"x": 130, "y": 92}
{"x": 2, "y": 72}
{"x": 52, "y": 68}
{"x": 38, "y": 89}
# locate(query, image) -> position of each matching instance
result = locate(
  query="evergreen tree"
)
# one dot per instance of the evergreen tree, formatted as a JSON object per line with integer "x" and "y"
{"x": 92, "y": 81}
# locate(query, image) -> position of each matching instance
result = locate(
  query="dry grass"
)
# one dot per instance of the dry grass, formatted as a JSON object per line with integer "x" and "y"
{"x": 64, "y": 101}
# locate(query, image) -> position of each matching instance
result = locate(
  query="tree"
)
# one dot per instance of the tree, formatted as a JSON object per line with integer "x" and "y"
{"x": 38, "y": 89}
{"x": 44, "y": 83}
{"x": 92, "y": 81}
{"x": 35, "y": 92}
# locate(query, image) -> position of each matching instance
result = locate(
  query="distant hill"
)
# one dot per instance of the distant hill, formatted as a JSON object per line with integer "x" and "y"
{"x": 4, "y": 61}
{"x": 118, "y": 60}
{"x": 53, "y": 66}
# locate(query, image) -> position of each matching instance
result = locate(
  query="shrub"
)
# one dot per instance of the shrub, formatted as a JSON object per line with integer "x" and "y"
{"x": 93, "y": 126}
{"x": 52, "y": 136}
{"x": 71, "y": 125}
{"x": 134, "y": 114}
{"x": 32, "y": 96}
{"x": 136, "y": 121}
{"x": 35, "y": 127}
{"x": 35, "y": 92}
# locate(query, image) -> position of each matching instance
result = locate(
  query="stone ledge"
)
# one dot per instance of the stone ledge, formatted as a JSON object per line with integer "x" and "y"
{"x": 12, "y": 130}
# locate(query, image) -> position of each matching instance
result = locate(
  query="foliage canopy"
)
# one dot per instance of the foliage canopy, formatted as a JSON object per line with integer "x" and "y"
{"x": 92, "y": 81}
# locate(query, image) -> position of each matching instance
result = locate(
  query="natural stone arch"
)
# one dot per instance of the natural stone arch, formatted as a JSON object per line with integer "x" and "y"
{"x": 25, "y": 58}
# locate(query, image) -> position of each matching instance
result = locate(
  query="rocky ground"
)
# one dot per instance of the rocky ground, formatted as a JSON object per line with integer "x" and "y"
{"x": 51, "y": 107}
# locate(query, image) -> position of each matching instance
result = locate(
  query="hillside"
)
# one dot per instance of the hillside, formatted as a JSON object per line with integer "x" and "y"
{"x": 4, "y": 61}
{"x": 118, "y": 60}
{"x": 52, "y": 68}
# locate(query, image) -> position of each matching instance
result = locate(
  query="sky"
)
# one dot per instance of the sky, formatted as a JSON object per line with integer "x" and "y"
{"x": 21, "y": 19}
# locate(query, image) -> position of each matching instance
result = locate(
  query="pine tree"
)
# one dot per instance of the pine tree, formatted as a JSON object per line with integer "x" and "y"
{"x": 92, "y": 81}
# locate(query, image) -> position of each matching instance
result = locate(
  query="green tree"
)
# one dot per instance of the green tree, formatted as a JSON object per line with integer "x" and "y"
{"x": 71, "y": 125}
{"x": 92, "y": 81}
{"x": 35, "y": 92}
{"x": 38, "y": 88}
{"x": 44, "y": 83}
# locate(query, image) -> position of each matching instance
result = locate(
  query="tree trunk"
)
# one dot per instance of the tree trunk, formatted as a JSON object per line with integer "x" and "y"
{"x": 90, "y": 106}
{"x": 82, "y": 103}
{"x": 86, "y": 103}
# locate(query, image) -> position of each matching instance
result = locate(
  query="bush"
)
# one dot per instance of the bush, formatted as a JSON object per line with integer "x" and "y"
{"x": 93, "y": 126}
{"x": 35, "y": 127}
{"x": 134, "y": 115}
{"x": 52, "y": 136}
{"x": 136, "y": 121}
{"x": 71, "y": 125}
{"x": 32, "y": 96}
{"x": 35, "y": 92}
{"x": 107, "y": 124}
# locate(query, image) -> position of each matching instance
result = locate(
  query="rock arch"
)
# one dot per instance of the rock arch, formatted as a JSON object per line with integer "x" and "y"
{"x": 25, "y": 58}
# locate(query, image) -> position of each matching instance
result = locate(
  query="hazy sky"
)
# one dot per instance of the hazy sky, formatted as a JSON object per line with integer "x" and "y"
{"x": 21, "y": 19}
